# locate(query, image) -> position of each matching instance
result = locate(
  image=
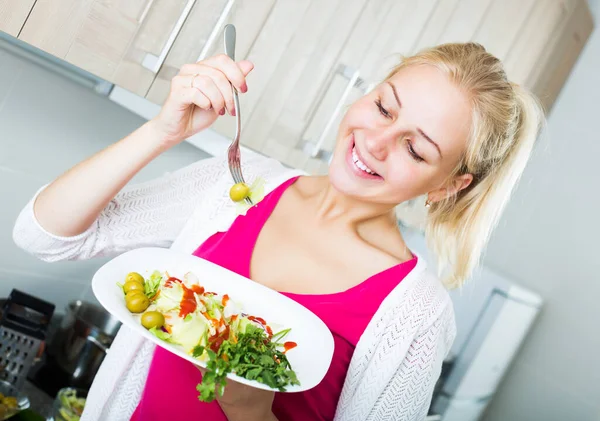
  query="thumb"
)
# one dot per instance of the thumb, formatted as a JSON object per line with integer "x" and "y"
{"x": 246, "y": 66}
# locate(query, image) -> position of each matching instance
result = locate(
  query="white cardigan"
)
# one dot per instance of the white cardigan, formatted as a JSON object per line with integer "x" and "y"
{"x": 397, "y": 360}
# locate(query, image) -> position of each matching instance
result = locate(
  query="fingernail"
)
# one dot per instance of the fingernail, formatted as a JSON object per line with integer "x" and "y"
{"x": 244, "y": 88}
{"x": 233, "y": 111}
{"x": 222, "y": 112}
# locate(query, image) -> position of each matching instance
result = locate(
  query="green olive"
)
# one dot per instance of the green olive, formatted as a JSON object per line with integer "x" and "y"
{"x": 10, "y": 402}
{"x": 239, "y": 192}
{"x": 133, "y": 292}
{"x": 152, "y": 319}
{"x": 132, "y": 286}
{"x": 137, "y": 303}
{"x": 134, "y": 276}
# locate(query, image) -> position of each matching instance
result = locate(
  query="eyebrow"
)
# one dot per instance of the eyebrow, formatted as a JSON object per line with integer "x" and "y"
{"x": 430, "y": 140}
{"x": 395, "y": 93}
{"x": 421, "y": 132}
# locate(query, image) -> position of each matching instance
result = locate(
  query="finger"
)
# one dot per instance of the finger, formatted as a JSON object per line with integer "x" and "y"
{"x": 223, "y": 84}
{"x": 197, "y": 98}
{"x": 208, "y": 87}
{"x": 246, "y": 66}
{"x": 224, "y": 64}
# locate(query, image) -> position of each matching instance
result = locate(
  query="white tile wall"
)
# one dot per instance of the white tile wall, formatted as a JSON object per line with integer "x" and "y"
{"x": 48, "y": 124}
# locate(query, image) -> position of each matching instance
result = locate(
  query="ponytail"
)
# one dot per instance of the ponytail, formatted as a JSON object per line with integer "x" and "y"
{"x": 507, "y": 120}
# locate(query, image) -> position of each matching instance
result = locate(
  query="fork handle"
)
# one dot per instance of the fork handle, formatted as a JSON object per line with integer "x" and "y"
{"x": 230, "y": 41}
{"x": 229, "y": 37}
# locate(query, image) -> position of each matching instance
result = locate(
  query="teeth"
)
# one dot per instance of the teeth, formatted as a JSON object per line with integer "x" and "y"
{"x": 359, "y": 163}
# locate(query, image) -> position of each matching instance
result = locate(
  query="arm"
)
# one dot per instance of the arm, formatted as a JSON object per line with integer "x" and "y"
{"x": 78, "y": 203}
{"x": 240, "y": 402}
{"x": 69, "y": 205}
{"x": 247, "y": 414}
{"x": 146, "y": 214}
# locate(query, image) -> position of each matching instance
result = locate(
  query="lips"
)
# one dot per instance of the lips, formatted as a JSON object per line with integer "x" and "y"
{"x": 360, "y": 164}
{"x": 357, "y": 164}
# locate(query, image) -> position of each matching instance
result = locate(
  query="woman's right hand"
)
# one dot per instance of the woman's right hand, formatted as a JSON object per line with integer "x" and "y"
{"x": 199, "y": 94}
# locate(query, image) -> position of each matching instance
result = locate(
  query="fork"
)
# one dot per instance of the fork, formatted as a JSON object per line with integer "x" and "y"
{"x": 233, "y": 153}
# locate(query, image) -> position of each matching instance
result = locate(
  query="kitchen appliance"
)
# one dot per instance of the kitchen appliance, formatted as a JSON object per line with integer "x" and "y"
{"x": 493, "y": 317}
{"x": 82, "y": 340}
{"x": 23, "y": 327}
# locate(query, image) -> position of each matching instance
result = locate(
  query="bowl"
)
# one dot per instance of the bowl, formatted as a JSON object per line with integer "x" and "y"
{"x": 68, "y": 404}
{"x": 22, "y": 401}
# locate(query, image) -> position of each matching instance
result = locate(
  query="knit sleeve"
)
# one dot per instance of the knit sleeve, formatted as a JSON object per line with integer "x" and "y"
{"x": 407, "y": 397}
{"x": 145, "y": 214}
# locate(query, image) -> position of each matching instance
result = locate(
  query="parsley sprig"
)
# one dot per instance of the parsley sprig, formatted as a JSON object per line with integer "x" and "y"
{"x": 253, "y": 356}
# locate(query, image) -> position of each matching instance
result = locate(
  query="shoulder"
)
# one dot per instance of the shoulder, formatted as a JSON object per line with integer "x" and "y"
{"x": 424, "y": 299}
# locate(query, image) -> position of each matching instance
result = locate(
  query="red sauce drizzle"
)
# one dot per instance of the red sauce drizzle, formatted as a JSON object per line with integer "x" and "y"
{"x": 198, "y": 289}
{"x": 171, "y": 281}
{"x": 224, "y": 300}
{"x": 289, "y": 345}
{"x": 188, "y": 302}
{"x": 217, "y": 340}
{"x": 257, "y": 319}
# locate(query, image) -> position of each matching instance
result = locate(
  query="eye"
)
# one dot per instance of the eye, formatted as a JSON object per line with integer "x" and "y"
{"x": 382, "y": 110}
{"x": 413, "y": 153}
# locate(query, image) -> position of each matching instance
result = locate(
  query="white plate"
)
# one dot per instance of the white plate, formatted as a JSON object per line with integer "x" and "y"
{"x": 310, "y": 359}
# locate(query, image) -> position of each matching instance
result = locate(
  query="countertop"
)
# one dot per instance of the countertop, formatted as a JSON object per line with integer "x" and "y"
{"x": 41, "y": 403}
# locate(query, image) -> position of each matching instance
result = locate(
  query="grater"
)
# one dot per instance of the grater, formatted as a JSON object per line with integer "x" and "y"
{"x": 23, "y": 327}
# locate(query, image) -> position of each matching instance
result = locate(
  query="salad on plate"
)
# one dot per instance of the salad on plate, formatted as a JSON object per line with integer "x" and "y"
{"x": 213, "y": 329}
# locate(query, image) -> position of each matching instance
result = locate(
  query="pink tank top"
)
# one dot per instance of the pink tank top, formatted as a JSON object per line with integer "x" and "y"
{"x": 170, "y": 390}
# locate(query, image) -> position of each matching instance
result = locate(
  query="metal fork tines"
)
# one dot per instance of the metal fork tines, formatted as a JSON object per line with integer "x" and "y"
{"x": 233, "y": 153}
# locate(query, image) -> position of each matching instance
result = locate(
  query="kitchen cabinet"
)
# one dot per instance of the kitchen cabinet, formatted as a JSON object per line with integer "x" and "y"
{"x": 202, "y": 37}
{"x": 96, "y": 35}
{"x": 312, "y": 57}
{"x": 13, "y": 15}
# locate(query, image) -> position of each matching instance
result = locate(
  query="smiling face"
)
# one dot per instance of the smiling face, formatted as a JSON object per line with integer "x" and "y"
{"x": 403, "y": 139}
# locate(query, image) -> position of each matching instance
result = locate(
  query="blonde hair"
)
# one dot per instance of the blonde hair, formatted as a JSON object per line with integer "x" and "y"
{"x": 506, "y": 121}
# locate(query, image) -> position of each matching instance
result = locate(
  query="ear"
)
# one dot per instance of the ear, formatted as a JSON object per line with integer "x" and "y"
{"x": 459, "y": 183}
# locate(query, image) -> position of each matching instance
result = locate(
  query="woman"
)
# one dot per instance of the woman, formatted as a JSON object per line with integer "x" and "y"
{"x": 446, "y": 123}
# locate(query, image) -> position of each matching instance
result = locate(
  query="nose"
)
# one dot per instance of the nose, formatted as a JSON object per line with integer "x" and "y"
{"x": 378, "y": 144}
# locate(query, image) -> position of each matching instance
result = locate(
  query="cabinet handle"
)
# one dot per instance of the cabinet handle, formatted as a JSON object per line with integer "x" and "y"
{"x": 217, "y": 28}
{"x": 314, "y": 149}
{"x": 142, "y": 17}
{"x": 154, "y": 63}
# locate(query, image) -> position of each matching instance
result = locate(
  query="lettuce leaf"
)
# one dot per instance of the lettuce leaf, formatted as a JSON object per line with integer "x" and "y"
{"x": 152, "y": 284}
{"x": 257, "y": 193}
{"x": 160, "y": 334}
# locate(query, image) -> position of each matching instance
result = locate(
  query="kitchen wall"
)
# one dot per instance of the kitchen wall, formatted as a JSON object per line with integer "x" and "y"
{"x": 548, "y": 240}
{"x": 47, "y": 124}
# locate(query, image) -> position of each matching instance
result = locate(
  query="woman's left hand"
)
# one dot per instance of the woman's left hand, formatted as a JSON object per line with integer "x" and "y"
{"x": 241, "y": 402}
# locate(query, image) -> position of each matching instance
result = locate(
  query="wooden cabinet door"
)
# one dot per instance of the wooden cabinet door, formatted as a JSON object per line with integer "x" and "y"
{"x": 534, "y": 39}
{"x": 202, "y": 36}
{"x": 501, "y": 25}
{"x": 13, "y": 14}
{"x": 296, "y": 81}
{"x": 114, "y": 40}
{"x": 555, "y": 66}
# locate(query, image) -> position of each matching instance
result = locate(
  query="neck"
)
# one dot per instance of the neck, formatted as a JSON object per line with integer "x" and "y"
{"x": 332, "y": 206}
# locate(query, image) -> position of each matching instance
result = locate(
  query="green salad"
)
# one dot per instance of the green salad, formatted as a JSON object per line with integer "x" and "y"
{"x": 211, "y": 328}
